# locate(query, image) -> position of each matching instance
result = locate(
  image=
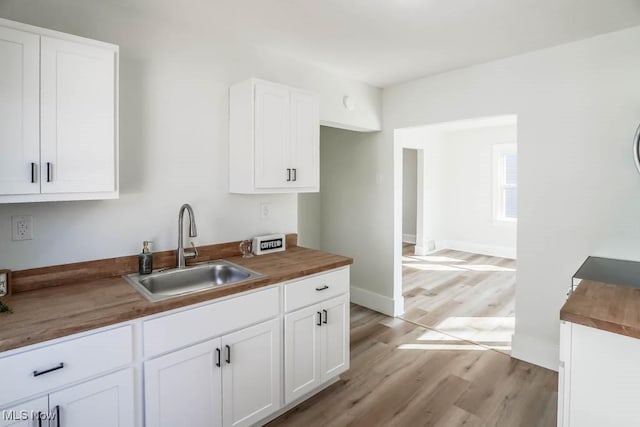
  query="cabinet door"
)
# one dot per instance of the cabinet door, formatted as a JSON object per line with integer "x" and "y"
{"x": 28, "y": 414}
{"x": 301, "y": 353}
{"x": 272, "y": 118}
{"x": 183, "y": 388}
{"x": 78, "y": 152}
{"x": 19, "y": 112}
{"x": 604, "y": 378}
{"x": 564, "y": 374}
{"x": 251, "y": 374}
{"x": 304, "y": 148}
{"x": 335, "y": 337}
{"x": 104, "y": 402}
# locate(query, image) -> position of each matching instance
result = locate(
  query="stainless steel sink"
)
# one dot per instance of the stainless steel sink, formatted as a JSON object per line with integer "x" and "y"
{"x": 200, "y": 277}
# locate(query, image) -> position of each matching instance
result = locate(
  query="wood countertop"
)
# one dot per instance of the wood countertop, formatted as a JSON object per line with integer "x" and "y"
{"x": 612, "y": 308}
{"x": 46, "y": 313}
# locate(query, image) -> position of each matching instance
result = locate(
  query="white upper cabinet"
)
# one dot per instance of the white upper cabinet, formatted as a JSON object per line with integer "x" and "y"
{"x": 78, "y": 116}
{"x": 19, "y": 110}
{"x": 274, "y": 134}
{"x": 303, "y": 153}
{"x": 58, "y": 119}
{"x": 271, "y": 135}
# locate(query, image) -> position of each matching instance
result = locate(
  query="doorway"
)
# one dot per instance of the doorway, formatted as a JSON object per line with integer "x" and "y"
{"x": 457, "y": 273}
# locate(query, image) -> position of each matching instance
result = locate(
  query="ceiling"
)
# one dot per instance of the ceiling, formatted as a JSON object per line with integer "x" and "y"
{"x": 384, "y": 42}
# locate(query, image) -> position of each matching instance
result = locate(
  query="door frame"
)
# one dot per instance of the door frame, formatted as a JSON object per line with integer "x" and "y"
{"x": 422, "y": 135}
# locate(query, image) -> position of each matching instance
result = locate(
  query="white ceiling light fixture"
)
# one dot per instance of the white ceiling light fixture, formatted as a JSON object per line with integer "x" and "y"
{"x": 349, "y": 103}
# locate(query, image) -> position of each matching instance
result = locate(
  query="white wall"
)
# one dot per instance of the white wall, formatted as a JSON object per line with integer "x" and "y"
{"x": 174, "y": 83}
{"x": 309, "y": 219}
{"x": 409, "y": 193}
{"x": 577, "y": 109}
{"x": 469, "y": 183}
{"x": 348, "y": 179}
{"x": 429, "y": 146}
{"x": 458, "y": 188}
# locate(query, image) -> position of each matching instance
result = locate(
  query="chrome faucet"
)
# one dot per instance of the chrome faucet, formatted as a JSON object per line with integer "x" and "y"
{"x": 193, "y": 232}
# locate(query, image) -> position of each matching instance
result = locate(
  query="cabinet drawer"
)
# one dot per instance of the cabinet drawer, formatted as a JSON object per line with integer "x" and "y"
{"x": 25, "y": 374}
{"x": 198, "y": 324}
{"x": 316, "y": 288}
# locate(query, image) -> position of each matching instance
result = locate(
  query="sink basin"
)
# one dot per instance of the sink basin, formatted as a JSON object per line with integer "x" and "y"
{"x": 175, "y": 282}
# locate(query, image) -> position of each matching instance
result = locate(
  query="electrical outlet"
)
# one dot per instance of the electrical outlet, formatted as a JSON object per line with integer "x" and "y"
{"x": 22, "y": 227}
{"x": 265, "y": 210}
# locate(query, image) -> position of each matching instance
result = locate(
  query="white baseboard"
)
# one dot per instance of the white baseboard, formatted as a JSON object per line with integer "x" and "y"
{"x": 409, "y": 238}
{"x": 478, "y": 248}
{"x": 398, "y": 306}
{"x": 420, "y": 250}
{"x": 376, "y": 302}
{"x": 437, "y": 245}
{"x": 533, "y": 350}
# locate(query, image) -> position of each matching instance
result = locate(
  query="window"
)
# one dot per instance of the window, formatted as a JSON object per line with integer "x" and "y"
{"x": 505, "y": 170}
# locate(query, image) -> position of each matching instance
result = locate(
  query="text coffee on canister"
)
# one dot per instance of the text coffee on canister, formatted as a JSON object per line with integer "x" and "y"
{"x": 268, "y": 244}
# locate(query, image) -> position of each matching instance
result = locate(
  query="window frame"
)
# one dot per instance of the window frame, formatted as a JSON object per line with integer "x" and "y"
{"x": 501, "y": 150}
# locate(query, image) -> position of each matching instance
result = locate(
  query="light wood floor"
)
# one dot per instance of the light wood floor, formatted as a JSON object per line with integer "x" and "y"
{"x": 465, "y": 295}
{"x": 399, "y": 376}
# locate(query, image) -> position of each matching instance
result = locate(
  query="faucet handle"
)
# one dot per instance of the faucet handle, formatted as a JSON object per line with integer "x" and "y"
{"x": 194, "y": 254}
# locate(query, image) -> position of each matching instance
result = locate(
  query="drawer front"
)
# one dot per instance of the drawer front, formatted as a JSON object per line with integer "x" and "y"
{"x": 316, "y": 288}
{"x": 198, "y": 324}
{"x": 45, "y": 368}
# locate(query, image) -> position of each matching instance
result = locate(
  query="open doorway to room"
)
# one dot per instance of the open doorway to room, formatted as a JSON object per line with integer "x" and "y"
{"x": 456, "y": 229}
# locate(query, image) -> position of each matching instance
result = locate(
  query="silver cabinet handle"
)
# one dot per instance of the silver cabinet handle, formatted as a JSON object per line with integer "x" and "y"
{"x": 288, "y": 175}
{"x": 295, "y": 174}
{"x": 326, "y": 316}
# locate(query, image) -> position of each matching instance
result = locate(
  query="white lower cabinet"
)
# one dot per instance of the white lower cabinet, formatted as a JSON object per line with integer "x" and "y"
{"x": 251, "y": 379}
{"x": 61, "y": 373}
{"x": 184, "y": 387}
{"x": 334, "y": 338}
{"x": 104, "y": 402}
{"x": 598, "y": 378}
{"x": 218, "y": 364}
{"x": 107, "y": 401}
{"x": 316, "y": 346}
{"x": 302, "y": 353}
{"x": 229, "y": 381}
{"x": 28, "y": 414}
